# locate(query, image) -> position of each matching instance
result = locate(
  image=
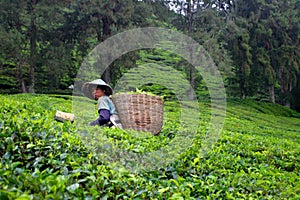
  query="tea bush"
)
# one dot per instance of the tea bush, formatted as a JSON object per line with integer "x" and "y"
{"x": 256, "y": 157}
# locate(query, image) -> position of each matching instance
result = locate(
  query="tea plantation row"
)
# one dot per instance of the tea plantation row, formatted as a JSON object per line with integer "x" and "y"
{"x": 256, "y": 157}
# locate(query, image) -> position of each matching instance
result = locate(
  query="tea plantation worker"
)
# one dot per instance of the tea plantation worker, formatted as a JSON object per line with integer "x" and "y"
{"x": 100, "y": 91}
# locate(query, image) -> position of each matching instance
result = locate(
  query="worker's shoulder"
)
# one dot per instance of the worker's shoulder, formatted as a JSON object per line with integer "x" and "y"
{"x": 104, "y": 98}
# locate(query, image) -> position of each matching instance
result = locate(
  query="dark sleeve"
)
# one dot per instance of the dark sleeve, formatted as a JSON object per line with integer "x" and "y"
{"x": 104, "y": 116}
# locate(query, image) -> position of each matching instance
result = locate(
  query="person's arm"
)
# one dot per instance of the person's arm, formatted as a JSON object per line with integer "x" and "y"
{"x": 104, "y": 116}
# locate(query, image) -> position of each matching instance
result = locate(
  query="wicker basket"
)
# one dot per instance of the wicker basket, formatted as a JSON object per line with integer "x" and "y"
{"x": 140, "y": 112}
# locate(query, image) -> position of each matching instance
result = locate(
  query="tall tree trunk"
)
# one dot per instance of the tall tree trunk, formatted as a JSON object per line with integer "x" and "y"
{"x": 242, "y": 89}
{"x": 107, "y": 75}
{"x": 20, "y": 77}
{"x": 33, "y": 45}
{"x": 288, "y": 101}
{"x": 98, "y": 28}
{"x": 190, "y": 32}
{"x": 243, "y": 94}
{"x": 106, "y": 33}
{"x": 272, "y": 93}
{"x": 106, "y": 27}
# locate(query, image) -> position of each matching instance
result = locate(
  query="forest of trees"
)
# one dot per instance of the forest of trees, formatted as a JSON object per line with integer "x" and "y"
{"x": 254, "y": 43}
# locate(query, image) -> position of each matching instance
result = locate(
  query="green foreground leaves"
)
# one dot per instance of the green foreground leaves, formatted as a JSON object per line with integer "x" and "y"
{"x": 256, "y": 157}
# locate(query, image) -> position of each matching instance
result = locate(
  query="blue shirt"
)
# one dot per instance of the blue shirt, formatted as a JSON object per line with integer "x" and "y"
{"x": 105, "y": 102}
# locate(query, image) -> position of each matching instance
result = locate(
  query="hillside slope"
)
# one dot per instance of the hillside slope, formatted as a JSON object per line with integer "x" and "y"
{"x": 257, "y": 155}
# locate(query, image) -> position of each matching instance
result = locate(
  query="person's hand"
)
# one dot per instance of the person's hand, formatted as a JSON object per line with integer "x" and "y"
{"x": 94, "y": 123}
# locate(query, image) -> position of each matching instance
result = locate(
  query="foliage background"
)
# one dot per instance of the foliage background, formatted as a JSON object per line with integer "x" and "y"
{"x": 255, "y": 44}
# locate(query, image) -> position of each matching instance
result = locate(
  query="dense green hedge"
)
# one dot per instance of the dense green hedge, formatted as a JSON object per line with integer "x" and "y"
{"x": 256, "y": 157}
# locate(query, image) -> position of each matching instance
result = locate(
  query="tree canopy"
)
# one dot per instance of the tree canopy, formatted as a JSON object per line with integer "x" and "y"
{"x": 255, "y": 44}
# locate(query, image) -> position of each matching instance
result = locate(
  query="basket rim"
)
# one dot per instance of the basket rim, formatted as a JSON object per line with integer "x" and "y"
{"x": 135, "y": 94}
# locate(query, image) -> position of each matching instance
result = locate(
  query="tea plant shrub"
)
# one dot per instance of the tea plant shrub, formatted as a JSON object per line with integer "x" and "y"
{"x": 256, "y": 157}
